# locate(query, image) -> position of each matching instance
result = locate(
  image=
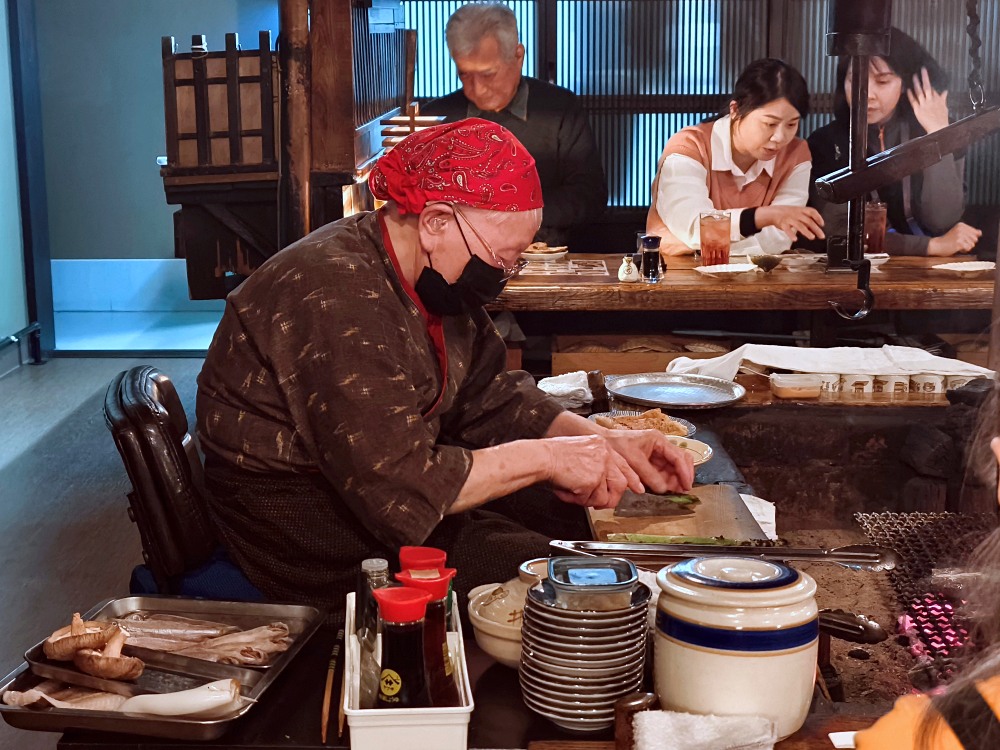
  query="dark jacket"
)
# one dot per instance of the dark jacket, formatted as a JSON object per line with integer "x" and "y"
{"x": 557, "y": 133}
{"x": 937, "y": 194}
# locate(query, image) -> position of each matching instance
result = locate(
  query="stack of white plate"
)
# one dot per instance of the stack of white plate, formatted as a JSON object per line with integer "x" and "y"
{"x": 575, "y": 664}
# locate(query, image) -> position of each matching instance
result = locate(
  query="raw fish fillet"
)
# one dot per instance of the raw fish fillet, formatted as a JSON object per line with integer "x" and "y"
{"x": 248, "y": 647}
{"x": 173, "y": 627}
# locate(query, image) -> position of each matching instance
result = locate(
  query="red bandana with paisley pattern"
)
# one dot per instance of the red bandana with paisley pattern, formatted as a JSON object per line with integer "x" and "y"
{"x": 472, "y": 162}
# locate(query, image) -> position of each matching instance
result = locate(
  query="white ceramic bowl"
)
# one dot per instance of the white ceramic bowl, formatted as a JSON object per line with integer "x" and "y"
{"x": 500, "y": 640}
{"x": 796, "y": 262}
{"x": 877, "y": 259}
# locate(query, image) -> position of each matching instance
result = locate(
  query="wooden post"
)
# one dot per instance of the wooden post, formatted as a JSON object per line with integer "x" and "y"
{"x": 167, "y": 50}
{"x": 235, "y": 119}
{"x": 409, "y": 73}
{"x": 293, "y": 54}
{"x": 333, "y": 105}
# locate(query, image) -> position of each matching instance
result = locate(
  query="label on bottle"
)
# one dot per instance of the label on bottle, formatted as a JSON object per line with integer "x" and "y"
{"x": 389, "y": 684}
{"x": 448, "y": 667}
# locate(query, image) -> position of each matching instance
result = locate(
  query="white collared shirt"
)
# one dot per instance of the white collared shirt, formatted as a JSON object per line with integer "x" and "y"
{"x": 682, "y": 192}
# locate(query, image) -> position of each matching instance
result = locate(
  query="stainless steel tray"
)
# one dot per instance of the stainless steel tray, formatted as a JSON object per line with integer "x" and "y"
{"x": 670, "y": 391}
{"x": 164, "y": 672}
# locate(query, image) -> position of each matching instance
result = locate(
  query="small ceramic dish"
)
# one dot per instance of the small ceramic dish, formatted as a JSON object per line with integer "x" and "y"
{"x": 700, "y": 452}
{"x": 967, "y": 268}
{"x": 542, "y": 257}
{"x": 877, "y": 259}
{"x": 729, "y": 271}
{"x": 796, "y": 262}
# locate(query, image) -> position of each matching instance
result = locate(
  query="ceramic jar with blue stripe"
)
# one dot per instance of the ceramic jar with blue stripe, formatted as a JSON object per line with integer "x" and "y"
{"x": 736, "y": 636}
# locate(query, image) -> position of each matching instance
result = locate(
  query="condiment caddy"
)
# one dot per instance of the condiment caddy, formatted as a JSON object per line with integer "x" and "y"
{"x": 412, "y": 728}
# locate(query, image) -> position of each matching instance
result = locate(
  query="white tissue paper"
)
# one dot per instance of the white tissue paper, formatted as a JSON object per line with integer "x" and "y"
{"x": 889, "y": 360}
{"x": 571, "y": 389}
{"x": 670, "y": 730}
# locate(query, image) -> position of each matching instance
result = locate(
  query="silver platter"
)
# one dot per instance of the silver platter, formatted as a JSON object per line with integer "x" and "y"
{"x": 674, "y": 391}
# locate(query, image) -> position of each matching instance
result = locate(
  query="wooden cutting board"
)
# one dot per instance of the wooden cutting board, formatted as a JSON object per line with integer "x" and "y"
{"x": 721, "y": 512}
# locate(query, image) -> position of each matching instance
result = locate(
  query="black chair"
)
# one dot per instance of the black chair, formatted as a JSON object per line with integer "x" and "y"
{"x": 167, "y": 501}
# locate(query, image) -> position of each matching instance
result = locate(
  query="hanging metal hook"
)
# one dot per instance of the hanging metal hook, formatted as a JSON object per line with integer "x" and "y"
{"x": 864, "y": 269}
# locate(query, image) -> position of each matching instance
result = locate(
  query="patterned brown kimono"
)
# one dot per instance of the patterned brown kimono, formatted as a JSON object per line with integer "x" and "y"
{"x": 337, "y": 419}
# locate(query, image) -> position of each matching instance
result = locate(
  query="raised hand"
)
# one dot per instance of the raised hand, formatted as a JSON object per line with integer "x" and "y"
{"x": 929, "y": 106}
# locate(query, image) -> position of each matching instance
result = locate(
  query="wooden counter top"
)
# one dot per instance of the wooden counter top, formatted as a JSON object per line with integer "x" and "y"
{"x": 904, "y": 283}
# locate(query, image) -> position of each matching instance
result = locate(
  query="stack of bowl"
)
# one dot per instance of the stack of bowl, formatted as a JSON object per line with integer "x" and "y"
{"x": 576, "y": 663}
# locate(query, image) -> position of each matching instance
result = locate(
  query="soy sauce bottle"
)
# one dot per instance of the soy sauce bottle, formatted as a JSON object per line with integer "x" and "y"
{"x": 441, "y": 685}
{"x": 403, "y": 681}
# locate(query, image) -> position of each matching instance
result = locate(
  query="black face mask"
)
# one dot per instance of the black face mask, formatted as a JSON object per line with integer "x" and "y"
{"x": 479, "y": 284}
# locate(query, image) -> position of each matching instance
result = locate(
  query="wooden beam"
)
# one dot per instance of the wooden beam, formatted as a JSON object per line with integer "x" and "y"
{"x": 293, "y": 53}
{"x": 332, "y": 49}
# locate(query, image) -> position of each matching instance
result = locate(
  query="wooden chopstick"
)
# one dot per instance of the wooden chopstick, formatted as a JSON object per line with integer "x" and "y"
{"x": 327, "y": 692}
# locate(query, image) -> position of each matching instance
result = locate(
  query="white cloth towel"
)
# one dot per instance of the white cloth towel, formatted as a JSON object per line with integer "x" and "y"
{"x": 670, "y": 730}
{"x": 851, "y": 360}
{"x": 571, "y": 389}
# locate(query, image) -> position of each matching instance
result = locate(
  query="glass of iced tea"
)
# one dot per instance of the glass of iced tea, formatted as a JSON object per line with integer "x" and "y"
{"x": 714, "y": 229}
{"x": 875, "y": 219}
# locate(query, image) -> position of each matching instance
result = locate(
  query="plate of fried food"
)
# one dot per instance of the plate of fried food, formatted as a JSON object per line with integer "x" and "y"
{"x": 653, "y": 419}
{"x": 543, "y": 251}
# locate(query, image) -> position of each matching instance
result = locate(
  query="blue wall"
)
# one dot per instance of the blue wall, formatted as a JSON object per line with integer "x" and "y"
{"x": 101, "y": 83}
{"x": 13, "y": 309}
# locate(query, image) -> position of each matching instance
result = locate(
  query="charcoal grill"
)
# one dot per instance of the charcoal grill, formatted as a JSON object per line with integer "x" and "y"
{"x": 925, "y": 541}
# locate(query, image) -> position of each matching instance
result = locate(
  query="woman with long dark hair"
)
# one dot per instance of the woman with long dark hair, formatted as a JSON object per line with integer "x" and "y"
{"x": 749, "y": 162}
{"x": 907, "y": 97}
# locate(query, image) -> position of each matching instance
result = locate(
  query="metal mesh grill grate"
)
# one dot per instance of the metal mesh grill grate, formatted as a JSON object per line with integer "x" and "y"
{"x": 926, "y": 541}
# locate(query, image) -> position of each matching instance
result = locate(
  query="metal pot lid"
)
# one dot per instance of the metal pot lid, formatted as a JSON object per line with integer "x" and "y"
{"x": 674, "y": 391}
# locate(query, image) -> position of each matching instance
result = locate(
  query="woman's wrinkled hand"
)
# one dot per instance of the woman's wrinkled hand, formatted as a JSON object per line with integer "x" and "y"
{"x": 961, "y": 238}
{"x": 661, "y": 465}
{"x": 792, "y": 220}
{"x": 586, "y": 470}
{"x": 930, "y": 107}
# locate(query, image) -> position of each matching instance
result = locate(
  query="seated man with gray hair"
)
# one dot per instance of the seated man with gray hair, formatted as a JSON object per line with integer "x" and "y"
{"x": 547, "y": 119}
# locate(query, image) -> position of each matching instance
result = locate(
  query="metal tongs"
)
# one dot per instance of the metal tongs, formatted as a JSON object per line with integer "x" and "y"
{"x": 866, "y": 557}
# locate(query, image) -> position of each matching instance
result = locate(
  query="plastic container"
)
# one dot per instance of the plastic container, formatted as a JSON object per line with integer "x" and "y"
{"x": 599, "y": 584}
{"x": 409, "y": 728}
{"x": 736, "y": 636}
{"x": 796, "y": 385}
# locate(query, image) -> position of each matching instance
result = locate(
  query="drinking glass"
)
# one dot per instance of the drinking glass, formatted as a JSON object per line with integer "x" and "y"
{"x": 651, "y": 258}
{"x": 715, "y": 233}
{"x": 875, "y": 219}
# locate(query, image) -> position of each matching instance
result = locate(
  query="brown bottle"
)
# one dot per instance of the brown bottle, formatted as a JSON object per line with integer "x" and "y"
{"x": 441, "y": 684}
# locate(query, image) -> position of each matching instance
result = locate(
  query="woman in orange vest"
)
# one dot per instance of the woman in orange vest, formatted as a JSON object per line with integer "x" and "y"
{"x": 749, "y": 162}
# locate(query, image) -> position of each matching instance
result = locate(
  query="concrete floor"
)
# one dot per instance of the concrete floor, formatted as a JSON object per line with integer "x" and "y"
{"x": 66, "y": 542}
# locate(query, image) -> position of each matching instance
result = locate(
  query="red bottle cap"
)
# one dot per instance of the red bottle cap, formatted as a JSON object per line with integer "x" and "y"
{"x": 400, "y": 604}
{"x": 421, "y": 558}
{"x": 436, "y": 585}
